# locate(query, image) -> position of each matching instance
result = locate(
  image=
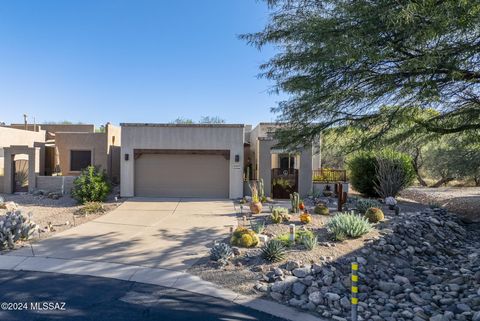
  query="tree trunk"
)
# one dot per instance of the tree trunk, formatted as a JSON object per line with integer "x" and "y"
{"x": 416, "y": 168}
{"x": 442, "y": 181}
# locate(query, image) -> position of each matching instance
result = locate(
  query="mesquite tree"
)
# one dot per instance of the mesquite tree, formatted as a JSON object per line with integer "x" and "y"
{"x": 340, "y": 61}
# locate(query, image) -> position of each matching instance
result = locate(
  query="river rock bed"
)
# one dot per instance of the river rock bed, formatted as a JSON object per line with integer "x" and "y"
{"x": 425, "y": 266}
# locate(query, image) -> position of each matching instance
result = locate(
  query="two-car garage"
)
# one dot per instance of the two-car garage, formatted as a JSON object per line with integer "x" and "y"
{"x": 182, "y": 160}
{"x": 182, "y": 173}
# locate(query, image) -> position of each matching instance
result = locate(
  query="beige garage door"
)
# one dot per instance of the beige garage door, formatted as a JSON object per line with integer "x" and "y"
{"x": 182, "y": 175}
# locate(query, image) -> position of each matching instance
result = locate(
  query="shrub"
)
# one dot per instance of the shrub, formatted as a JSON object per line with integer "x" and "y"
{"x": 374, "y": 215}
{"x": 90, "y": 186}
{"x": 299, "y": 235}
{"x": 279, "y": 215}
{"x": 15, "y": 226}
{"x": 221, "y": 252}
{"x": 309, "y": 241}
{"x": 273, "y": 251}
{"x": 91, "y": 208}
{"x": 345, "y": 225}
{"x": 244, "y": 237}
{"x": 363, "y": 171}
{"x": 364, "y": 204}
{"x": 321, "y": 209}
{"x": 393, "y": 173}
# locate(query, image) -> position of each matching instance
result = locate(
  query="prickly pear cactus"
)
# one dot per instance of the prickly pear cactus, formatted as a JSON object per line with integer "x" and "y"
{"x": 14, "y": 227}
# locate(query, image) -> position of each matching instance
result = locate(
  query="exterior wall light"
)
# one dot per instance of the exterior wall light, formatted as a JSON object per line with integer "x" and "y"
{"x": 127, "y": 156}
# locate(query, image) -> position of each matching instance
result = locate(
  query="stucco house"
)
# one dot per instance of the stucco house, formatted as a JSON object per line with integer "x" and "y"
{"x": 50, "y": 156}
{"x": 209, "y": 160}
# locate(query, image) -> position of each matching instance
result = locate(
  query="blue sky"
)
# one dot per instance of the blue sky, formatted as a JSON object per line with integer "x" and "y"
{"x": 95, "y": 61}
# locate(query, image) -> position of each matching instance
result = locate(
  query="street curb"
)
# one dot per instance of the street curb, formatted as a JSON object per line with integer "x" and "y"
{"x": 141, "y": 274}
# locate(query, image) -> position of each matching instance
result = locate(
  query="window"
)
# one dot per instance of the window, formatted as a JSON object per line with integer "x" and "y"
{"x": 80, "y": 159}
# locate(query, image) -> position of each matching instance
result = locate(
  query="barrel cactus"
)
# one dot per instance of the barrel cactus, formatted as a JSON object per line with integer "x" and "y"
{"x": 321, "y": 209}
{"x": 244, "y": 237}
{"x": 374, "y": 215}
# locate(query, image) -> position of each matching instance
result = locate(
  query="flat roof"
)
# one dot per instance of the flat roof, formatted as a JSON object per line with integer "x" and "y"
{"x": 182, "y": 125}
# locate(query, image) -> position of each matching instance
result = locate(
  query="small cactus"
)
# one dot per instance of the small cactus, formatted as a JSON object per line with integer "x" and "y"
{"x": 374, "y": 215}
{"x": 280, "y": 215}
{"x": 295, "y": 201}
{"x": 244, "y": 237}
{"x": 321, "y": 209}
{"x": 221, "y": 252}
{"x": 274, "y": 251}
{"x": 305, "y": 218}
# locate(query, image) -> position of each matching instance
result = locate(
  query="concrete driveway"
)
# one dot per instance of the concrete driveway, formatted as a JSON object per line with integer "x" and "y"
{"x": 158, "y": 233}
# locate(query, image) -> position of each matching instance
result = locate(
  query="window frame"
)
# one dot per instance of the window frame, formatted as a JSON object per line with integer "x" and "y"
{"x": 79, "y": 150}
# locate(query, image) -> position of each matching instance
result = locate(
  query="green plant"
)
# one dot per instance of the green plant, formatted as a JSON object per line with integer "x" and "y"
{"x": 374, "y": 215}
{"x": 244, "y": 237}
{"x": 274, "y": 251}
{"x": 90, "y": 186}
{"x": 300, "y": 234}
{"x": 258, "y": 226}
{"x": 221, "y": 252}
{"x": 364, "y": 204}
{"x": 282, "y": 182}
{"x": 261, "y": 189}
{"x": 295, "y": 202}
{"x": 91, "y": 208}
{"x": 263, "y": 199}
{"x": 310, "y": 241}
{"x": 348, "y": 225}
{"x": 321, "y": 209}
{"x": 14, "y": 226}
{"x": 279, "y": 215}
{"x": 363, "y": 170}
{"x": 254, "y": 192}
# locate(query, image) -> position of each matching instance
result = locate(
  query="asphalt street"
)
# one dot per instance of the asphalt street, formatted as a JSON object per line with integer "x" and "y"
{"x": 41, "y": 296}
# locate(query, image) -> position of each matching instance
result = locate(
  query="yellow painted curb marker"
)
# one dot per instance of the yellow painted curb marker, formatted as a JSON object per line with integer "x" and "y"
{"x": 355, "y": 266}
{"x": 354, "y": 289}
{"x": 354, "y": 301}
{"x": 355, "y": 278}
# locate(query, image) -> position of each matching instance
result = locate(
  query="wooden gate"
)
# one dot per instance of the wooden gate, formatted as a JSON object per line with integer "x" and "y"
{"x": 284, "y": 182}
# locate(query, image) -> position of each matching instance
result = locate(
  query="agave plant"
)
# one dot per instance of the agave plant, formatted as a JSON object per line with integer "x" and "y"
{"x": 348, "y": 225}
{"x": 221, "y": 252}
{"x": 258, "y": 226}
{"x": 274, "y": 251}
{"x": 309, "y": 240}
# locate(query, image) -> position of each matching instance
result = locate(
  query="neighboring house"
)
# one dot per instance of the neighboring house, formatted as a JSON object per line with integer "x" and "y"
{"x": 50, "y": 155}
{"x": 209, "y": 160}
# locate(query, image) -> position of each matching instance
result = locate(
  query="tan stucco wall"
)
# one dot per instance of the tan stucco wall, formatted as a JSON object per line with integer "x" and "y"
{"x": 95, "y": 142}
{"x": 157, "y": 136}
{"x": 12, "y": 136}
{"x": 17, "y": 137}
{"x": 114, "y": 139}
